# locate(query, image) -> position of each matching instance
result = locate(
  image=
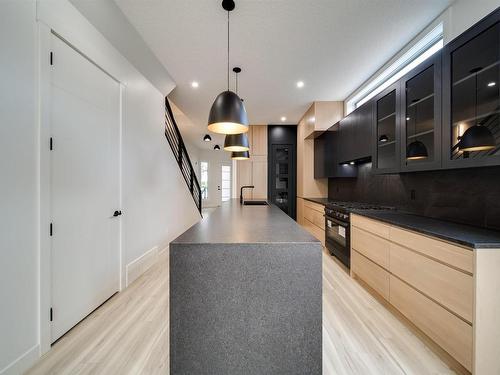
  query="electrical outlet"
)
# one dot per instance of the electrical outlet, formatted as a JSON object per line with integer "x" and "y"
{"x": 412, "y": 194}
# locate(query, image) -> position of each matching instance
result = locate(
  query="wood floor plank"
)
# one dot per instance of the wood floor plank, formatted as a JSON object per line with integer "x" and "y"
{"x": 130, "y": 335}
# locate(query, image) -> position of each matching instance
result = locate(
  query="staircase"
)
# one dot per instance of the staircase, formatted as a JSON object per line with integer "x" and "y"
{"x": 176, "y": 143}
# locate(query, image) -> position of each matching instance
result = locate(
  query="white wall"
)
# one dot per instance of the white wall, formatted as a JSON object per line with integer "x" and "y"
{"x": 462, "y": 14}
{"x": 18, "y": 184}
{"x": 153, "y": 190}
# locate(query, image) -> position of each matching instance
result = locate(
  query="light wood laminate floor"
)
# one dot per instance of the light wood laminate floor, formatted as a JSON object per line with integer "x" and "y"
{"x": 129, "y": 333}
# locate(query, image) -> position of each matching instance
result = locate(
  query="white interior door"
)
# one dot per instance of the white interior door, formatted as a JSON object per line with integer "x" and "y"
{"x": 226, "y": 181}
{"x": 84, "y": 167}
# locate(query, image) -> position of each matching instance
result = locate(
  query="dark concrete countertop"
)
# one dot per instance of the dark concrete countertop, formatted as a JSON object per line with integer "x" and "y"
{"x": 465, "y": 235}
{"x": 234, "y": 223}
{"x": 323, "y": 201}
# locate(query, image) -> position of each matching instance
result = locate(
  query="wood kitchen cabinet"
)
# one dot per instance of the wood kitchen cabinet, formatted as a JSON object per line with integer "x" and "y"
{"x": 254, "y": 170}
{"x": 448, "y": 291}
{"x": 471, "y": 92}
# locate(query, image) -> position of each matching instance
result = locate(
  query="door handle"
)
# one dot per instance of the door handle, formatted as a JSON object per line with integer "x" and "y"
{"x": 117, "y": 213}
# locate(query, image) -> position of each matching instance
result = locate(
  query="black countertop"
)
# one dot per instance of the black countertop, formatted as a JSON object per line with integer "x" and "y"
{"x": 234, "y": 223}
{"x": 477, "y": 238}
{"x": 322, "y": 201}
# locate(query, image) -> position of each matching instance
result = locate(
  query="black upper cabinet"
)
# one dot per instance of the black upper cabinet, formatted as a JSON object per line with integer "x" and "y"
{"x": 363, "y": 132}
{"x": 386, "y": 134}
{"x": 327, "y": 149}
{"x": 356, "y": 133}
{"x": 471, "y": 96}
{"x": 421, "y": 116}
{"x": 321, "y": 157}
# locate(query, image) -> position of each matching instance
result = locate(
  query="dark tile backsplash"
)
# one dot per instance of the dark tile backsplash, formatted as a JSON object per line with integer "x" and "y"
{"x": 469, "y": 196}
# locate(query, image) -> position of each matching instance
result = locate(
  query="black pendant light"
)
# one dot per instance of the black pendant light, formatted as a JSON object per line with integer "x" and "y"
{"x": 477, "y": 137}
{"x": 216, "y": 147}
{"x": 240, "y": 155}
{"x": 236, "y": 142}
{"x": 416, "y": 150}
{"x": 228, "y": 114}
{"x": 383, "y": 138}
{"x": 207, "y": 138}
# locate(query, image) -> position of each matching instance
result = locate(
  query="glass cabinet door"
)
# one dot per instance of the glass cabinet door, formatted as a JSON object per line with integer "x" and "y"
{"x": 386, "y": 123}
{"x": 281, "y": 189}
{"x": 473, "y": 81}
{"x": 421, "y": 116}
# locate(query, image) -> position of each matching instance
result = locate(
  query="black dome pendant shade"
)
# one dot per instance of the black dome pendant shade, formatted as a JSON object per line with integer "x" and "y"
{"x": 216, "y": 147}
{"x": 207, "y": 138}
{"x": 383, "y": 138}
{"x": 477, "y": 138}
{"x": 228, "y": 114}
{"x": 416, "y": 151}
{"x": 236, "y": 142}
{"x": 240, "y": 155}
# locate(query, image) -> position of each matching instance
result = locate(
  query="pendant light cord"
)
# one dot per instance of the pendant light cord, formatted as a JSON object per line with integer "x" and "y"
{"x": 227, "y": 50}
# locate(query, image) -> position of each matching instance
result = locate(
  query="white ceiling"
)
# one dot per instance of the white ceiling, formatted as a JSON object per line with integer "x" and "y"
{"x": 331, "y": 45}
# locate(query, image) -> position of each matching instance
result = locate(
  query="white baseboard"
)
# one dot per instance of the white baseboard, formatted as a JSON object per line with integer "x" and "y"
{"x": 164, "y": 249}
{"x": 23, "y": 362}
{"x": 140, "y": 265}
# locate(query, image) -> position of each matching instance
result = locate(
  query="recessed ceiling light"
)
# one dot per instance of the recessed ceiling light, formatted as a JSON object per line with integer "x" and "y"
{"x": 407, "y": 119}
{"x": 283, "y": 118}
{"x": 352, "y": 163}
{"x": 491, "y": 84}
{"x": 195, "y": 84}
{"x": 300, "y": 84}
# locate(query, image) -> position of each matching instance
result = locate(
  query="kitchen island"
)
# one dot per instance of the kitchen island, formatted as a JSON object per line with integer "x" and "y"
{"x": 245, "y": 295}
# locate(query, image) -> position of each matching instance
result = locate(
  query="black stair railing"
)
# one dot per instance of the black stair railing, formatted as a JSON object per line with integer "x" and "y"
{"x": 178, "y": 147}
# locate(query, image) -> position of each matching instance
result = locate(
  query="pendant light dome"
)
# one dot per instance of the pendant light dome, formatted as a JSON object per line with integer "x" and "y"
{"x": 477, "y": 138}
{"x": 236, "y": 142}
{"x": 216, "y": 147}
{"x": 240, "y": 155}
{"x": 228, "y": 114}
{"x": 416, "y": 151}
{"x": 207, "y": 138}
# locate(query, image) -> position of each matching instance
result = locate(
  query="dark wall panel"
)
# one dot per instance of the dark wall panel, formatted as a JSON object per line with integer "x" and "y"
{"x": 469, "y": 196}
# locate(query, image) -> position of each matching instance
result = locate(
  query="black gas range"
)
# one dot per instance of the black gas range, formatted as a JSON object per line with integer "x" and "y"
{"x": 337, "y": 227}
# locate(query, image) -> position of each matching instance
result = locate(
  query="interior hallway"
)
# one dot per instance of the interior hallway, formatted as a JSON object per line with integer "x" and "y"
{"x": 129, "y": 333}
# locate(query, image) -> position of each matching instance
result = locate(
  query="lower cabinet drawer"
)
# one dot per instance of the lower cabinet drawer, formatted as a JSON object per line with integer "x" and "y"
{"x": 372, "y": 274}
{"x": 451, "y": 333}
{"x": 315, "y": 231}
{"x": 371, "y": 246}
{"x": 448, "y": 286}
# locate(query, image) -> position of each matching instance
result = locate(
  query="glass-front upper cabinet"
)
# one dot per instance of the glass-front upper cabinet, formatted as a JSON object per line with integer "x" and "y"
{"x": 471, "y": 96}
{"x": 387, "y": 120}
{"x": 421, "y": 116}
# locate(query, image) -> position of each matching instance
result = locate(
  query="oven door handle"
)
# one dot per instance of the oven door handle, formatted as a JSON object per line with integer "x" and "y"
{"x": 345, "y": 225}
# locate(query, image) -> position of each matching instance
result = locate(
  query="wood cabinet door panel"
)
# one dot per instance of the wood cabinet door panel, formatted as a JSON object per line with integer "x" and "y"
{"x": 450, "y": 332}
{"x": 451, "y": 288}
{"x": 372, "y": 274}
